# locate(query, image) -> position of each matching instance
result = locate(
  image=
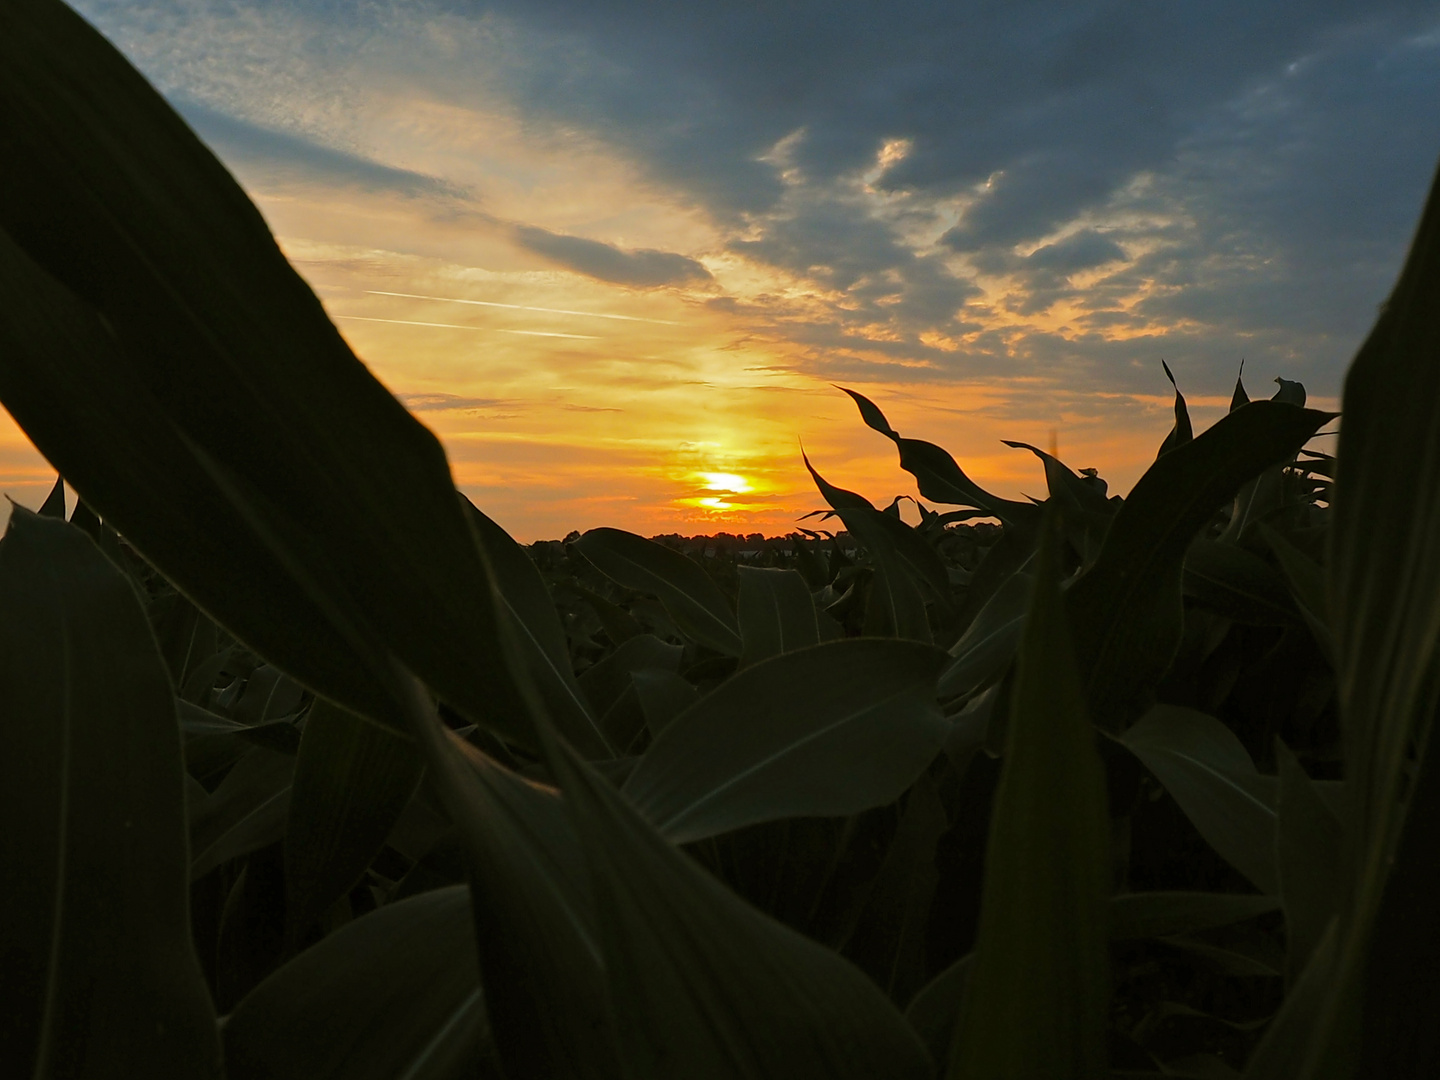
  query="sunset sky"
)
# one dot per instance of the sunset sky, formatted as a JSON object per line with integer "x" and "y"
{"x": 616, "y": 254}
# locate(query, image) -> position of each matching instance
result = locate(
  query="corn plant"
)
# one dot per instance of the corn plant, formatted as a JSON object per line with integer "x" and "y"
{"x": 309, "y": 770}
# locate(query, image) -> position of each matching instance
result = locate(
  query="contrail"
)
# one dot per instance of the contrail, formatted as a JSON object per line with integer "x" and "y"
{"x": 521, "y": 307}
{"x": 482, "y": 329}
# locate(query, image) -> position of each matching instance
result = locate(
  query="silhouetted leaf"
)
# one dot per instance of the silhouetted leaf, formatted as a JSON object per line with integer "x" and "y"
{"x": 1086, "y": 510}
{"x": 937, "y": 475}
{"x": 1306, "y": 578}
{"x": 888, "y": 940}
{"x": 1126, "y": 610}
{"x": 1238, "y": 584}
{"x": 1037, "y": 993}
{"x": 185, "y": 380}
{"x": 1384, "y": 590}
{"x": 695, "y": 602}
{"x": 605, "y": 682}
{"x": 393, "y": 994}
{"x": 990, "y": 641}
{"x": 246, "y": 812}
{"x": 1210, "y": 775}
{"x": 1290, "y": 392}
{"x": 1158, "y": 914}
{"x": 352, "y": 780}
{"x": 98, "y": 975}
{"x": 663, "y": 695}
{"x": 776, "y": 613}
{"x": 906, "y": 566}
{"x": 1239, "y": 397}
{"x": 1181, "y": 433}
{"x": 870, "y": 413}
{"x": 704, "y": 986}
{"x": 535, "y": 625}
{"x": 54, "y": 504}
{"x": 826, "y": 731}
{"x": 1311, "y": 860}
{"x": 535, "y": 926}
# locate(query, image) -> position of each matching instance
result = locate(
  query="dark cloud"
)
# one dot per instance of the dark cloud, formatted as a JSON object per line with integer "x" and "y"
{"x": 1292, "y": 140}
{"x": 643, "y": 268}
{"x": 1083, "y": 250}
{"x": 283, "y": 152}
{"x": 1224, "y": 177}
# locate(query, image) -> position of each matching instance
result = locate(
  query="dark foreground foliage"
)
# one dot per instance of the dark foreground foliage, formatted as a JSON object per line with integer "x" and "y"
{"x": 308, "y": 770}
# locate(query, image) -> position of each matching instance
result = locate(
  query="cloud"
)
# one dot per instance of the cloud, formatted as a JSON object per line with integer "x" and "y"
{"x": 1083, "y": 250}
{"x": 452, "y": 403}
{"x": 1055, "y": 190}
{"x": 282, "y": 153}
{"x": 645, "y": 268}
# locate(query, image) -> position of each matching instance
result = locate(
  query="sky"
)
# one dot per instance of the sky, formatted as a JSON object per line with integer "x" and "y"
{"x": 619, "y": 255}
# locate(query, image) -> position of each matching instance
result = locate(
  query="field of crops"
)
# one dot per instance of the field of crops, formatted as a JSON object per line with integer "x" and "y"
{"x": 308, "y": 770}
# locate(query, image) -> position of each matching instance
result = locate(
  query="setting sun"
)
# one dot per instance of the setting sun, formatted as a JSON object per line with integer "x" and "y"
{"x": 724, "y": 481}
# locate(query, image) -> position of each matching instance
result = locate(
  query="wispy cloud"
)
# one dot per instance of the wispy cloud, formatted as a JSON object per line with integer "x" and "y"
{"x": 522, "y": 307}
{"x": 460, "y": 326}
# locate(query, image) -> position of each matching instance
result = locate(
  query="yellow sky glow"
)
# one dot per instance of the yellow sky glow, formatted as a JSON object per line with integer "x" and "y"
{"x": 566, "y": 402}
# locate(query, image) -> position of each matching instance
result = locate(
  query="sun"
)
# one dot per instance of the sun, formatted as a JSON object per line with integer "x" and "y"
{"x": 731, "y": 483}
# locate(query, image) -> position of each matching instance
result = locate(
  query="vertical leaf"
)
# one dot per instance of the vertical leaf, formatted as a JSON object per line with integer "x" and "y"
{"x": 1182, "y": 432}
{"x": 1385, "y": 608}
{"x": 704, "y": 986}
{"x": 1310, "y": 856}
{"x": 98, "y": 975}
{"x": 776, "y": 613}
{"x": 1127, "y": 611}
{"x": 1037, "y": 997}
{"x": 352, "y": 780}
{"x": 535, "y": 627}
{"x": 535, "y": 926}
{"x": 54, "y": 504}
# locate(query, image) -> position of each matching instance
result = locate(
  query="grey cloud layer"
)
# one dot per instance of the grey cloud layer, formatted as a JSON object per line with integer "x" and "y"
{"x": 644, "y": 268}
{"x": 1289, "y": 145}
{"x": 1203, "y": 180}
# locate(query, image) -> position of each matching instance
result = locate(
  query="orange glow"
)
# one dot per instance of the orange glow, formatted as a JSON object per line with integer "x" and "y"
{"x": 565, "y": 402}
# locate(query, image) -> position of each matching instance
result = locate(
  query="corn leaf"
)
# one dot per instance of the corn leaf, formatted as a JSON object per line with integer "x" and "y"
{"x": 535, "y": 924}
{"x": 1127, "y": 613}
{"x": 352, "y": 780}
{"x": 535, "y": 627}
{"x": 1311, "y": 860}
{"x": 826, "y": 731}
{"x": 98, "y": 974}
{"x": 1384, "y": 594}
{"x": 704, "y": 986}
{"x": 776, "y": 613}
{"x": 1210, "y": 775}
{"x": 989, "y": 642}
{"x": 938, "y": 477}
{"x": 1037, "y": 995}
{"x": 395, "y": 993}
{"x": 185, "y": 380}
{"x": 696, "y": 603}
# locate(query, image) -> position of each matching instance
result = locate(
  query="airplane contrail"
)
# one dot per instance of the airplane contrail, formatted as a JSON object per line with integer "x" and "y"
{"x": 521, "y": 307}
{"x": 482, "y": 329}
